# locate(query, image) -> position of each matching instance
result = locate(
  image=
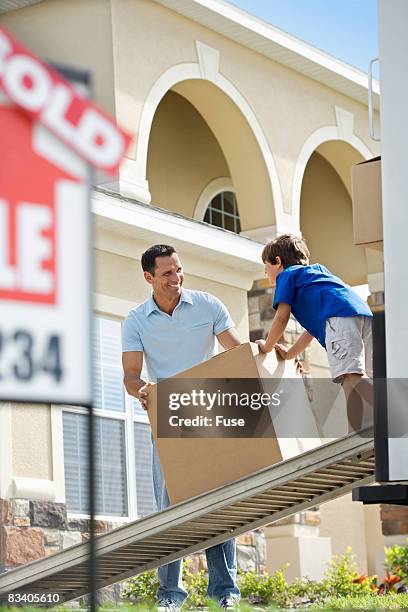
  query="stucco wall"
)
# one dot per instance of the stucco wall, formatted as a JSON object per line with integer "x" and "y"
{"x": 134, "y": 43}
{"x": 184, "y": 156}
{"x": 31, "y": 441}
{"x": 288, "y": 105}
{"x": 327, "y": 222}
{"x": 74, "y": 33}
{"x": 343, "y": 521}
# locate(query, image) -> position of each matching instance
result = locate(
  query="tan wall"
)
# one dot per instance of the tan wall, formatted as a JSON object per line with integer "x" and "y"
{"x": 327, "y": 222}
{"x": 31, "y": 441}
{"x": 74, "y": 33}
{"x": 136, "y": 42}
{"x": 184, "y": 156}
{"x": 342, "y": 157}
{"x": 122, "y": 277}
{"x": 343, "y": 521}
{"x": 375, "y": 540}
{"x": 288, "y": 105}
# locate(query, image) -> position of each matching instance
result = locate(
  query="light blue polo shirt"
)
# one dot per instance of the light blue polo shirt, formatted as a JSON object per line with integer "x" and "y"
{"x": 173, "y": 343}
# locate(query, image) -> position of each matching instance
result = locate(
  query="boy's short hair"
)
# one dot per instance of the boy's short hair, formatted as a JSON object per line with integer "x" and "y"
{"x": 149, "y": 256}
{"x": 291, "y": 249}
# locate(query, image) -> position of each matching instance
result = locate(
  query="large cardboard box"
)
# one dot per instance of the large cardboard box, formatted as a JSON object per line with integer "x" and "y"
{"x": 194, "y": 465}
{"x": 367, "y": 203}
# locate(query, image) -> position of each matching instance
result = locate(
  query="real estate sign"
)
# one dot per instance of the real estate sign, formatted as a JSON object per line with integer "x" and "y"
{"x": 50, "y": 136}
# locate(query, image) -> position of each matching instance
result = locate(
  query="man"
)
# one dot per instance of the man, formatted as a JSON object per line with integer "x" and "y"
{"x": 173, "y": 330}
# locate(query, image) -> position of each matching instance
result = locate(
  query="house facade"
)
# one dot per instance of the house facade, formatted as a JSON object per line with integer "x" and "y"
{"x": 241, "y": 133}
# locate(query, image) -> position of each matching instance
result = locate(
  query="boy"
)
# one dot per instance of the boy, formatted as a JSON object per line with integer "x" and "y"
{"x": 326, "y": 308}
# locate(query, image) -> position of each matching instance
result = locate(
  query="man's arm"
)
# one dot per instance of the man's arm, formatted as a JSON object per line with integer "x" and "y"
{"x": 279, "y": 323}
{"x": 229, "y": 338}
{"x": 132, "y": 362}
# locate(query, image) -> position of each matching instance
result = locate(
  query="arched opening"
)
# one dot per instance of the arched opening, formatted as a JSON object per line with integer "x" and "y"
{"x": 183, "y": 155}
{"x": 326, "y": 219}
{"x": 199, "y": 135}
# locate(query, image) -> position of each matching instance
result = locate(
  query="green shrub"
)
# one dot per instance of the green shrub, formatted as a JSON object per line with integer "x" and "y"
{"x": 264, "y": 588}
{"x": 342, "y": 577}
{"x": 196, "y": 587}
{"x": 305, "y": 591}
{"x": 142, "y": 588}
{"x": 396, "y": 561}
{"x": 341, "y": 580}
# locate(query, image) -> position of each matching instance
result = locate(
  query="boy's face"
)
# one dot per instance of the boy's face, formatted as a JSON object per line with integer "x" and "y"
{"x": 273, "y": 270}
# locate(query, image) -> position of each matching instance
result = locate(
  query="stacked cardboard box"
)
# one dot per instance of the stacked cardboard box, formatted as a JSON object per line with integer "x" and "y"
{"x": 367, "y": 203}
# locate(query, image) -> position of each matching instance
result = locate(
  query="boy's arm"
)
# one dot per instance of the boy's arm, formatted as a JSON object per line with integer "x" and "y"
{"x": 278, "y": 327}
{"x": 301, "y": 343}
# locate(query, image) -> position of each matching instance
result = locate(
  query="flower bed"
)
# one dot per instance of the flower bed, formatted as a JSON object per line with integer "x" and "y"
{"x": 342, "y": 585}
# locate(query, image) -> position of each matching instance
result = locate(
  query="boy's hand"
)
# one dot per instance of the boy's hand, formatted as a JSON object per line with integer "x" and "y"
{"x": 299, "y": 366}
{"x": 261, "y": 345}
{"x": 285, "y": 353}
{"x": 282, "y": 351}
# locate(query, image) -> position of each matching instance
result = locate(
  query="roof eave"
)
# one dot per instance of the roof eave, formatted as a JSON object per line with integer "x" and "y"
{"x": 266, "y": 39}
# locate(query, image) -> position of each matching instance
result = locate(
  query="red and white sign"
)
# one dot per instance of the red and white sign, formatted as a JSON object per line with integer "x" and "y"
{"x": 44, "y": 96}
{"x": 49, "y": 137}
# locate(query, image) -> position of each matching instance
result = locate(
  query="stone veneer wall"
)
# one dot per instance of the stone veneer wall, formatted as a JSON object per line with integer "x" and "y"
{"x": 30, "y": 530}
{"x": 394, "y": 519}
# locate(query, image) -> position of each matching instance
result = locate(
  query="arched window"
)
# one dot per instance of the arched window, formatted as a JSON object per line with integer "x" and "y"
{"x": 223, "y": 212}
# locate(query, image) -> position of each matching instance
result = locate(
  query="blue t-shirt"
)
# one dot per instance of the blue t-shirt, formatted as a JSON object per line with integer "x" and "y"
{"x": 314, "y": 295}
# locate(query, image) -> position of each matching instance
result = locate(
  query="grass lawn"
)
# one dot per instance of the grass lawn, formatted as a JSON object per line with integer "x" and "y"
{"x": 391, "y": 601}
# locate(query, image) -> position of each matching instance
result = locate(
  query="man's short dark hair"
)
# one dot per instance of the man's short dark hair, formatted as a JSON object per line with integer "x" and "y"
{"x": 157, "y": 250}
{"x": 291, "y": 249}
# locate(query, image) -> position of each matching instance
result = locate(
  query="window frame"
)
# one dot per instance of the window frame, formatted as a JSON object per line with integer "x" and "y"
{"x": 129, "y": 416}
{"x": 235, "y": 217}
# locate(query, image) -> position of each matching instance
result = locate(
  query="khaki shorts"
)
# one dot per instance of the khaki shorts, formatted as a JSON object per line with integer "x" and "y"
{"x": 349, "y": 346}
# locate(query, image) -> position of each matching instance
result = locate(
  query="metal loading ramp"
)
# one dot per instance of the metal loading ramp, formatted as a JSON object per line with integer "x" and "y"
{"x": 268, "y": 495}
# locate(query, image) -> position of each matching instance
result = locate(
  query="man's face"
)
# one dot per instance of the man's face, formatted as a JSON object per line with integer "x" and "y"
{"x": 272, "y": 271}
{"x": 168, "y": 276}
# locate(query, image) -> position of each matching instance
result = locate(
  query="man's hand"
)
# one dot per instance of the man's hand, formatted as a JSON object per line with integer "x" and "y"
{"x": 142, "y": 395}
{"x": 262, "y": 346}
